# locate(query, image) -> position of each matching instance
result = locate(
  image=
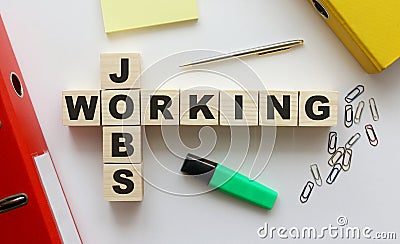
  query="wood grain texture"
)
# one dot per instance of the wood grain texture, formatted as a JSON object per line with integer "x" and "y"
{"x": 110, "y": 63}
{"x": 132, "y": 133}
{"x": 277, "y": 118}
{"x": 230, "y": 112}
{"x": 81, "y": 119}
{"x": 123, "y": 107}
{"x": 172, "y": 106}
{"x": 123, "y": 182}
{"x": 324, "y": 101}
{"x": 212, "y": 105}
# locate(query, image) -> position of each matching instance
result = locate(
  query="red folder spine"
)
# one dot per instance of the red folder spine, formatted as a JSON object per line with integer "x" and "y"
{"x": 21, "y": 139}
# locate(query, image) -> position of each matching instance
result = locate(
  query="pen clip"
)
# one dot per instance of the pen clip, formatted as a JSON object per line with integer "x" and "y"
{"x": 273, "y": 51}
{"x": 13, "y": 202}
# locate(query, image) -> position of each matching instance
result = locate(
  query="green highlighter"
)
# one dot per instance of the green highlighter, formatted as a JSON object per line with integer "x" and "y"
{"x": 229, "y": 181}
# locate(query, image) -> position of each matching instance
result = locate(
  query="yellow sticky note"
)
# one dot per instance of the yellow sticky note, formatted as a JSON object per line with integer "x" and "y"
{"x": 121, "y": 15}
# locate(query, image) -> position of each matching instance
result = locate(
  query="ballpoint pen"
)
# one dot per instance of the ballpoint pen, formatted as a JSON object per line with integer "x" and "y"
{"x": 262, "y": 50}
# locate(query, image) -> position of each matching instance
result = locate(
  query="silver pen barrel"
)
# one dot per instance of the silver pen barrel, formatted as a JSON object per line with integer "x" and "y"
{"x": 271, "y": 48}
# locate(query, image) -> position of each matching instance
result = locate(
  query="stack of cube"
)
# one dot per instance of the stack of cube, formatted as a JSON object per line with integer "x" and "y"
{"x": 113, "y": 108}
{"x": 121, "y": 108}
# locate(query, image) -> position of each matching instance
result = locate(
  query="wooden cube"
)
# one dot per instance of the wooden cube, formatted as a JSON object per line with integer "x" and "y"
{"x": 120, "y": 70}
{"x": 238, "y": 108}
{"x": 318, "y": 108}
{"x": 122, "y": 144}
{"x": 120, "y": 107}
{"x": 160, "y": 107}
{"x": 278, "y": 108}
{"x": 81, "y": 108}
{"x": 123, "y": 182}
{"x": 199, "y": 107}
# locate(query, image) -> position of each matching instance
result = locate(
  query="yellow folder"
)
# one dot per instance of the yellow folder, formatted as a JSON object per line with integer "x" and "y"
{"x": 370, "y": 29}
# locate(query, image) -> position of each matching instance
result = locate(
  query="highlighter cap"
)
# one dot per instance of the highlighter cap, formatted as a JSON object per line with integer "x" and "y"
{"x": 194, "y": 165}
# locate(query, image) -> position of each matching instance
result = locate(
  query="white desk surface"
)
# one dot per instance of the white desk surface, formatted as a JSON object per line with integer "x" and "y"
{"x": 58, "y": 43}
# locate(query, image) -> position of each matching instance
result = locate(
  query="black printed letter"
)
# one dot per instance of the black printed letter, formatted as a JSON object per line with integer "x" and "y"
{"x": 154, "y": 107}
{"x": 88, "y": 110}
{"x": 124, "y": 72}
{"x": 195, "y": 107}
{"x": 130, "y": 186}
{"x": 284, "y": 111}
{"x": 116, "y": 144}
{"x": 238, "y": 107}
{"x": 324, "y": 109}
{"x": 112, "y": 106}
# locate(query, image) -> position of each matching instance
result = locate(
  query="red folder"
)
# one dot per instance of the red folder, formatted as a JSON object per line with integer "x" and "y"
{"x": 33, "y": 208}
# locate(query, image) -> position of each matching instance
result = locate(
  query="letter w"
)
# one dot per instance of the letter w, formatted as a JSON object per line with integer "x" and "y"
{"x": 81, "y": 103}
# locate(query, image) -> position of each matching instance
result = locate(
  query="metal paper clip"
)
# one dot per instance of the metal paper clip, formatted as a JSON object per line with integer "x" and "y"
{"x": 305, "y": 194}
{"x": 332, "y": 141}
{"x": 359, "y": 110}
{"x": 13, "y": 202}
{"x": 352, "y": 140}
{"x": 347, "y": 159}
{"x": 316, "y": 175}
{"x": 356, "y": 92}
{"x": 348, "y": 115}
{"x": 334, "y": 173}
{"x": 336, "y": 156}
{"x": 374, "y": 109}
{"x": 372, "y": 138}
